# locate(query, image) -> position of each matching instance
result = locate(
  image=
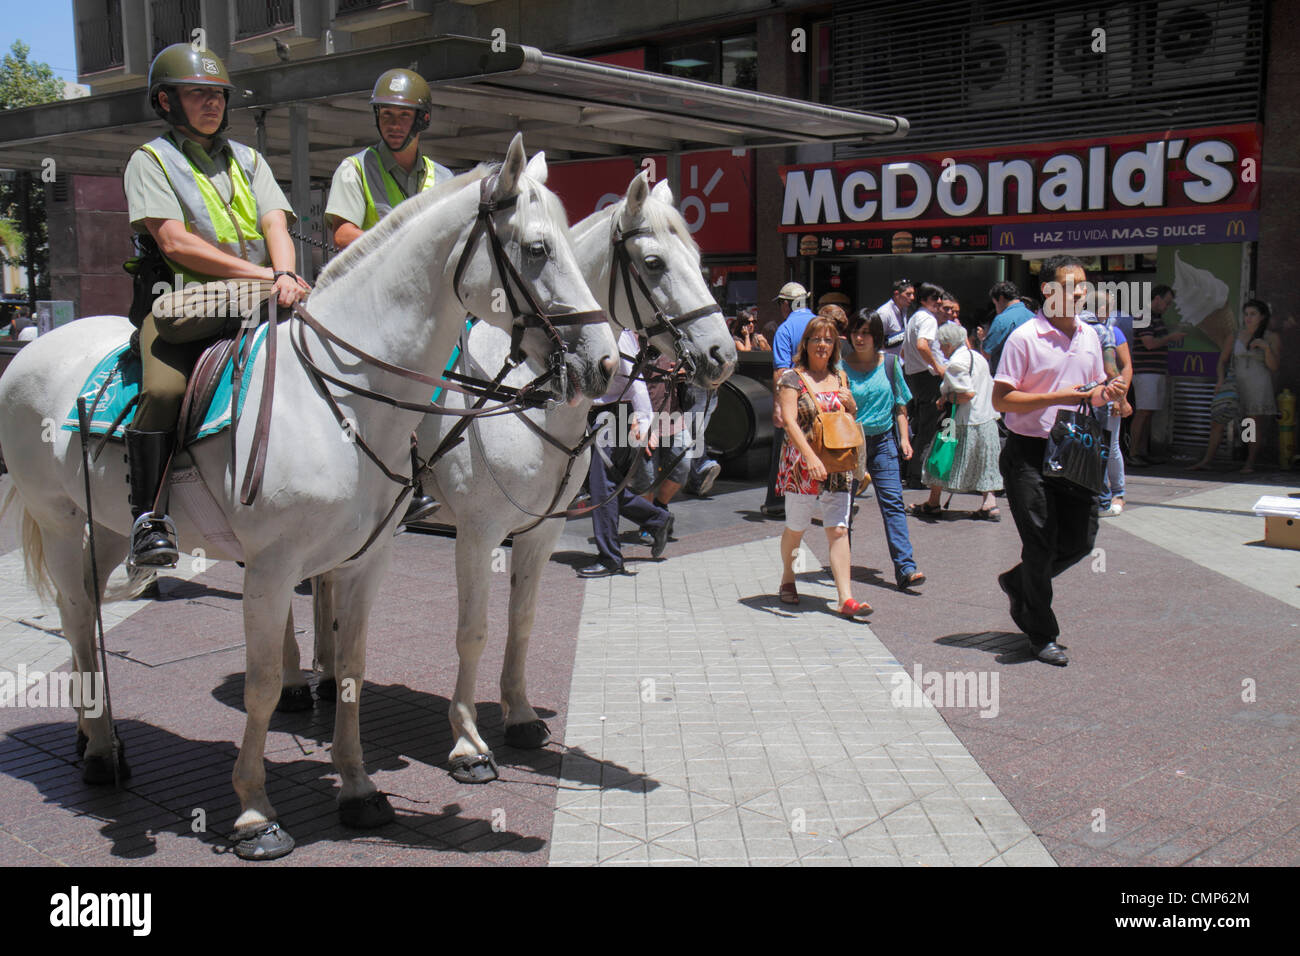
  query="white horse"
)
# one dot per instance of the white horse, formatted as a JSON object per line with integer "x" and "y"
{"x": 392, "y": 294}
{"x": 504, "y": 474}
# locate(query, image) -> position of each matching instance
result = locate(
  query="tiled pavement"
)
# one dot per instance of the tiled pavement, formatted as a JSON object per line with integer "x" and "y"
{"x": 766, "y": 736}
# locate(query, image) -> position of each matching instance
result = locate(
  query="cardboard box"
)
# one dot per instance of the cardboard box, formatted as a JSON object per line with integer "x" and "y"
{"x": 1281, "y": 521}
{"x": 1282, "y": 532}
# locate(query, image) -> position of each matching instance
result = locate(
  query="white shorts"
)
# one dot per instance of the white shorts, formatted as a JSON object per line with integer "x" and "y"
{"x": 833, "y": 506}
{"x": 1149, "y": 387}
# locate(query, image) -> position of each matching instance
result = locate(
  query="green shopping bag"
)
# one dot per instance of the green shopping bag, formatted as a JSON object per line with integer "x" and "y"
{"x": 938, "y": 463}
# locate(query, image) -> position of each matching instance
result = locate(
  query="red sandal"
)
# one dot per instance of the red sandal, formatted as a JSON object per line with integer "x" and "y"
{"x": 789, "y": 594}
{"x": 852, "y": 608}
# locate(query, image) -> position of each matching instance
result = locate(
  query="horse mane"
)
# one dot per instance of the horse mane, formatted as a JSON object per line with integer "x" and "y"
{"x": 664, "y": 220}
{"x": 403, "y": 213}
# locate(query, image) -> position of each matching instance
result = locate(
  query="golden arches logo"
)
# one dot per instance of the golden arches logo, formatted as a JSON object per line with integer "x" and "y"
{"x": 1194, "y": 364}
{"x": 1236, "y": 227}
{"x": 1006, "y": 238}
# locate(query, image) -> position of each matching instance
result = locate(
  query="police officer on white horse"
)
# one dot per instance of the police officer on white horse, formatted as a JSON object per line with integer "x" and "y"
{"x": 368, "y": 184}
{"x": 214, "y": 212}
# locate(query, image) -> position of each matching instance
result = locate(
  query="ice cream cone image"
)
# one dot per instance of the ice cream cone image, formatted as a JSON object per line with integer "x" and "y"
{"x": 1219, "y": 325}
{"x": 1197, "y": 292}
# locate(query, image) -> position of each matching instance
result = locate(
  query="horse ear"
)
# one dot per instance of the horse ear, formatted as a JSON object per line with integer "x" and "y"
{"x": 637, "y": 191}
{"x": 536, "y": 170}
{"x": 663, "y": 192}
{"x": 511, "y": 170}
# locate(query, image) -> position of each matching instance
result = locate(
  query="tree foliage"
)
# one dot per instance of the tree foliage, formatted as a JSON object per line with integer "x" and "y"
{"x": 26, "y": 82}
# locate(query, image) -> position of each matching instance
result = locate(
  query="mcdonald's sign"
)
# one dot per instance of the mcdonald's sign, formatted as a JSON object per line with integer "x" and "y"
{"x": 1006, "y": 238}
{"x": 1236, "y": 227}
{"x": 1193, "y": 364}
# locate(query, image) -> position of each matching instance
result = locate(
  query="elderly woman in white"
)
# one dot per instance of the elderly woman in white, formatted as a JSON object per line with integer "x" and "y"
{"x": 968, "y": 383}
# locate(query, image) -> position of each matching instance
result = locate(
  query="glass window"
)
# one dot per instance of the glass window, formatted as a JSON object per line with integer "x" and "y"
{"x": 740, "y": 62}
{"x": 819, "y": 63}
{"x": 694, "y": 61}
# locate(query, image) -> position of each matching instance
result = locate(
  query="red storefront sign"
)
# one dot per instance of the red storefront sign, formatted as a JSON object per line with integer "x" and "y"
{"x": 715, "y": 197}
{"x": 1174, "y": 173}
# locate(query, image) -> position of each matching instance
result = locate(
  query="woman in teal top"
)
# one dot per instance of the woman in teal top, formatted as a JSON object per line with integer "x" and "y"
{"x": 876, "y": 381}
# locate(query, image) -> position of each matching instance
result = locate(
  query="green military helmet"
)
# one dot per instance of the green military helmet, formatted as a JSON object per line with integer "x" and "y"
{"x": 181, "y": 64}
{"x": 403, "y": 88}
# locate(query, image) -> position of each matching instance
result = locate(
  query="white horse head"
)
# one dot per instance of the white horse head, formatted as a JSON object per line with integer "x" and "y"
{"x": 529, "y": 222}
{"x": 661, "y": 252}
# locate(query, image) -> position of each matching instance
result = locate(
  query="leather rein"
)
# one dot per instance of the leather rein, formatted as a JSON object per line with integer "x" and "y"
{"x": 632, "y": 278}
{"x": 510, "y": 400}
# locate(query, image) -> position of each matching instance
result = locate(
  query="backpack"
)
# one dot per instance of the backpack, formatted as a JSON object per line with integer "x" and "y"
{"x": 836, "y": 437}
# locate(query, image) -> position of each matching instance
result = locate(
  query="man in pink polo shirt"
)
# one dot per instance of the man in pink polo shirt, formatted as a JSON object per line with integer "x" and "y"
{"x": 1044, "y": 363}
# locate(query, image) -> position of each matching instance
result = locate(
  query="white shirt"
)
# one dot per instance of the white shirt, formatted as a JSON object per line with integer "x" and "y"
{"x": 618, "y": 390}
{"x": 922, "y": 325}
{"x": 968, "y": 371}
{"x": 891, "y": 317}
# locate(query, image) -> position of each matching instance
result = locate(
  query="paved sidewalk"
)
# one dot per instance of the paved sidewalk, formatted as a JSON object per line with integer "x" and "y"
{"x": 735, "y": 729}
{"x": 29, "y": 629}
{"x": 760, "y": 733}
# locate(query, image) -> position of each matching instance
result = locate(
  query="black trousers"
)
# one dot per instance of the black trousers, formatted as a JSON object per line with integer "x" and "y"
{"x": 1057, "y": 523}
{"x": 925, "y": 417}
{"x": 601, "y": 482}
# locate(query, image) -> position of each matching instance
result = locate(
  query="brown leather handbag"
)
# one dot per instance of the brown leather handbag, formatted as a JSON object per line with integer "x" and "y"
{"x": 836, "y": 436}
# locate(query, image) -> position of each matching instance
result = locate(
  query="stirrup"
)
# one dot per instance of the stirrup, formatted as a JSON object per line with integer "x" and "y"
{"x": 153, "y": 542}
{"x": 421, "y": 507}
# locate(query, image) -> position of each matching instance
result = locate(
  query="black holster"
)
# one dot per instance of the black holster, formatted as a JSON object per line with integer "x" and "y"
{"x": 148, "y": 270}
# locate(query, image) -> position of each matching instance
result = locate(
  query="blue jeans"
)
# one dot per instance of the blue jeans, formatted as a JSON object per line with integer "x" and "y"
{"x": 883, "y": 466}
{"x": 1113, "y": 480}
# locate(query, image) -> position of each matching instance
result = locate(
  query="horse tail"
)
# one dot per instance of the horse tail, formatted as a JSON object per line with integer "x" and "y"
{"x": 38, "y": 573}
{"x": 137, "y": 579}
{"x": 33, "y": 545}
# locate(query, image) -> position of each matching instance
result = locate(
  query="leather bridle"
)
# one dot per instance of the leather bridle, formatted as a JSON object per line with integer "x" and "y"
{"x": 536, "y": 317}
{"x": 509, "y": 399}
{"x": 624, "y": 265}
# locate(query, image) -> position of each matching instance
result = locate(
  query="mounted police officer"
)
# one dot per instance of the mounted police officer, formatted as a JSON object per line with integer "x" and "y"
{"x": 215, "y": 212}
{"x": 368, "y": 184}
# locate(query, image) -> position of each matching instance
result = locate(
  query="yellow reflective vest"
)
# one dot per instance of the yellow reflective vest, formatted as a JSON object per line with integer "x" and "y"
{"x": 232, "y": 227}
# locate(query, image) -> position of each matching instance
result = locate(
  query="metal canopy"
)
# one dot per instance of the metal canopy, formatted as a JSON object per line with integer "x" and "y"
{"x": 574, "y": 109}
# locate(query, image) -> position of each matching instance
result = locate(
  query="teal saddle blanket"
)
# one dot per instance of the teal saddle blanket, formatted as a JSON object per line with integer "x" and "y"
{"x": 120, "y": 369}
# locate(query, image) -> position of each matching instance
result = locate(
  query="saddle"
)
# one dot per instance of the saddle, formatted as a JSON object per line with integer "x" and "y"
{"x": 112, "y": 390}
{"x": 175, "y": 313}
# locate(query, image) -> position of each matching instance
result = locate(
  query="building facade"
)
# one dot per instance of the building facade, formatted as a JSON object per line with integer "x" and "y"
{"x": 1153, "y": 137}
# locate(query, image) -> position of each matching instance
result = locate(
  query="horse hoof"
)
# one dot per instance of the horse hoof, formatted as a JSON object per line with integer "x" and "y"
{"x": 327, "y": 689}
{"x": 474, "y": 768}
{"x": 529, "y": 736}
{"x": 98, "y": 769}
{"x": 366, "y": 813}
{"x": 294, "y": 699}
{"x": 82, "y": 741}
{"x": 268, "y": 842}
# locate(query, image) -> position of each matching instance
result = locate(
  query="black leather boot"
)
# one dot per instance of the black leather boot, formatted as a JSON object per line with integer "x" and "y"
{"x": 153, "y": 536}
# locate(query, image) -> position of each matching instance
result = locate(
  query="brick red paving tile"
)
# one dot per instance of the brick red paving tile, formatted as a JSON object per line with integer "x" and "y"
{"x": 1150, "y": 838}
{"x": 1069, "y": 854}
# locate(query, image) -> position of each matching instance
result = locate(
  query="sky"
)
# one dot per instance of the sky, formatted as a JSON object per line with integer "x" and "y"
{"x": 46, "y": 27}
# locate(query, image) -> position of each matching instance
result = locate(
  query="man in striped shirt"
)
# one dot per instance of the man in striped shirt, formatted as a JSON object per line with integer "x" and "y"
{"x": 1150, "y": 374}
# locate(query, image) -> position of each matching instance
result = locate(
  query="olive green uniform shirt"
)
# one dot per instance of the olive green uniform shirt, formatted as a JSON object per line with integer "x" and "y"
{"x": 149, "y": 195}
{"x": 347, "y": 193}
